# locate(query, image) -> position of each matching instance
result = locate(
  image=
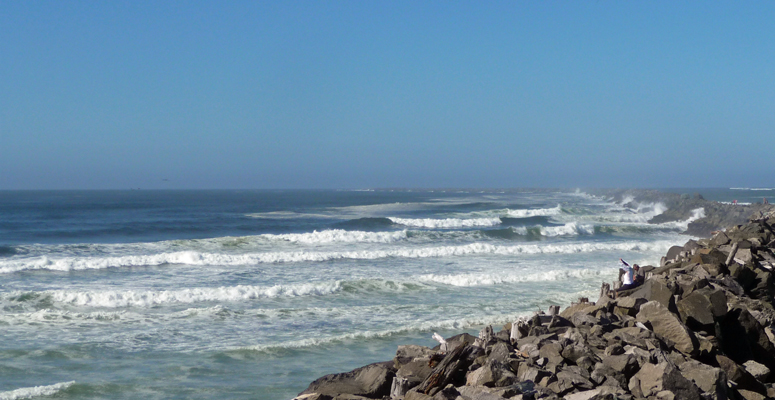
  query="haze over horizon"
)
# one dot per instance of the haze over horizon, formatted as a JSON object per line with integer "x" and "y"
{"x": 194, "y": 95}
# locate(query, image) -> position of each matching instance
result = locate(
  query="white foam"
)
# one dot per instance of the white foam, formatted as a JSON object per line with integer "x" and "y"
{"x": 340, "y": 236}
{"x": 28, "y": 393}
{"x": 202, "y": 259}
{"x": 468, "y": 280}
{"x": 697, "y": 213}
{"x": 446, "y": 223}
{"x": 540, "y": 212}
{"x": 569, "y": 229}
{"x": 450, "y": 324}
{"x": 148, "y": 298}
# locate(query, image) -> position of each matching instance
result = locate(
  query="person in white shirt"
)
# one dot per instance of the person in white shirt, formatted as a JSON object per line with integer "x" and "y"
{"x": 629, "y": 277}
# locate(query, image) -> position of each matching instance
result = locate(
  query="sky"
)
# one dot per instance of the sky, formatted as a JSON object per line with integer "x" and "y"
{"x": 368, "y": 94}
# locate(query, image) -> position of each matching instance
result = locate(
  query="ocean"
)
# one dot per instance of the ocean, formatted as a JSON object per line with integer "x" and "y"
{"x": 240, "y": 294}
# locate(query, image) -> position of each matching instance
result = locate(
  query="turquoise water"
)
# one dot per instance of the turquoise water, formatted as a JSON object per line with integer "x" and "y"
{"x": 254, "y": 294}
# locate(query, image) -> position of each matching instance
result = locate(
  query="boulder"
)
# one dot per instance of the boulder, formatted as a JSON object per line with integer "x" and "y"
{"x": 625, "y": 364}
{"x": 759, "y": 371}
{"x": 750, "y": 395}
{"x": 739, "y": 375}
{"x": 668, "y": 326}
{"x": 313, "y": 396}
{"x": 417, "y": 371}
{"x": 656, "y": 289}
{"x": 673, "y": 253}
{"x": 709, "y": 379}
{"x": 655, "y": 378}
{"x": 700, "y": 308}
{"x": 492, "y": 373}
{"x": 500, "y": 351}
{"x": 372, "y": 381}
{"x": 413, "y": 351}
{"x": 477, "y": 393}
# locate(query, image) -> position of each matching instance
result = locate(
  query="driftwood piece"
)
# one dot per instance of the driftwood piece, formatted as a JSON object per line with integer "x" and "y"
{"x": 485, "y": 336}
{"x": 732, "y": 253}
{"x": 399, "y": 388}
{"x": 605, "y": 290}
{"x": 444, "y": 372}
{"x": 519, "y": 329}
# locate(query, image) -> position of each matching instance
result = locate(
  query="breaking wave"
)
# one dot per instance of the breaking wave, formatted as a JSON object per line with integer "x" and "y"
{"x": 203, "y": 258}
{"x": 150, "y": 298}
{"x": 446, "y": 223}
{"x": 540, "y": 212}
{"x": 468, "y": 280}
{"x": 36, "y": 391}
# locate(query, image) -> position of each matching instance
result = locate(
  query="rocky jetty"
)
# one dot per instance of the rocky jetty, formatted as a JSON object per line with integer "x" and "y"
{"x": 714, "y": 216}
{"x": 702, "y": 326}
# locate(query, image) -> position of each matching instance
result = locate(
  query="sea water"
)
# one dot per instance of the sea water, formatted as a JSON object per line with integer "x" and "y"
{"x": 254, "y": 294}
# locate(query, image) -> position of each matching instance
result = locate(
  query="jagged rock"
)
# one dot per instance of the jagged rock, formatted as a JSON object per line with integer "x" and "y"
{"x": 743, "y": 339}
{"x": 625, "y": 363}
{"x": 759, "y": 371}
{"x": 709, "y": 379}
{"x": 739, "y": 375}
{"x": 574, "y": 351}
{"x": 653, "y": 379}
{"x": 371, "y": 381}
{"x": 628, "y": 305}
{"x": 582, "y": 318}
{"x": 455, "y": 341}
{"x": 414, "y": 395}
{"x": 614, "y": 350}
{"x": 700, "y": 309}
{"x": 656, "y": 289}
{"x": 665, "y": 324}
{"x": 415, "y": 371}
{"x": 719, "y": 239}
{"x": 448, "y": 393}
{"x": 585, "y": 395}
{"x": 477, "y": 393}
{"x": 492, "y": 373}
{"x": 568, "y": 380}
{"x": 673, "y": 252}
{"x": 529, "y": 373}
{"x": 313, "y": 396}
{"x": 413, "y": 351}
{"x": 750, "y": 395}
{"x": 552, "y": 352}
{"x": 346, "y": 396}
{"x": 500, "y": 351}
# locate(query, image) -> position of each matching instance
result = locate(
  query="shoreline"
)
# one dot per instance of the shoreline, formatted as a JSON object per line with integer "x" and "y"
{"x": 701, "y": 326}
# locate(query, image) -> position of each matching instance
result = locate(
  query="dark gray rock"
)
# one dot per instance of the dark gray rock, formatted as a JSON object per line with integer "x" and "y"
{"x": 739, "y": 375}
{"x": 492, "y": 373}
{"x": 667, "y": 325}
{"x": 653, "y": 379}
{"x": 625, "y": 364}
{"x": 709, "y": 379}
{"x": 372, "y": 381}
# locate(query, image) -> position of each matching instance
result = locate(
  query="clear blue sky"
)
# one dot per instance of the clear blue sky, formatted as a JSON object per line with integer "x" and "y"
{"x": 327, "y": 94}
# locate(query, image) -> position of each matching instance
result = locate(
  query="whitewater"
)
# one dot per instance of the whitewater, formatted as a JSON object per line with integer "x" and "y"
{"x": 254, "y": 294}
